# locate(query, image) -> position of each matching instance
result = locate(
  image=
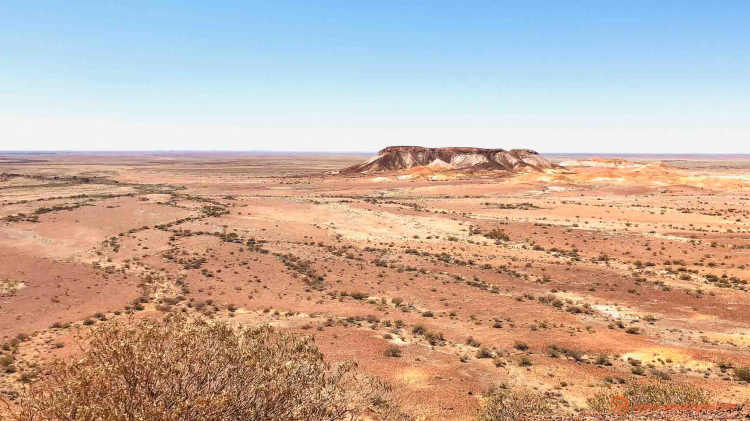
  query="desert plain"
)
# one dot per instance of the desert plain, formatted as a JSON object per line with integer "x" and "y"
{"x": 596, "y": 274}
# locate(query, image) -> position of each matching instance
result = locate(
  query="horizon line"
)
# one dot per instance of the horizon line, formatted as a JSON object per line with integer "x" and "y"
{"x": 73, "y": 151}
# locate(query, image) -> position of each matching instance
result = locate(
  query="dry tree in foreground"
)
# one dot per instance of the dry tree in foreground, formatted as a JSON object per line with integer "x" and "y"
{"x": 182, "y": 370}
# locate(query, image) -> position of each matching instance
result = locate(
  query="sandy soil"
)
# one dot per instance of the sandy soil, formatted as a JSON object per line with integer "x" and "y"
{"x": 621, "y": 266}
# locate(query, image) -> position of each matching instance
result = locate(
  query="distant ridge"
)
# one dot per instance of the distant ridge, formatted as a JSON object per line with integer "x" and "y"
{"x": 452, "y": 158}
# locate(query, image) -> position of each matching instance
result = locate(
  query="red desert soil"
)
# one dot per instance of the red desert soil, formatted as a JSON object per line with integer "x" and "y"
{"x": 559, "y": 274}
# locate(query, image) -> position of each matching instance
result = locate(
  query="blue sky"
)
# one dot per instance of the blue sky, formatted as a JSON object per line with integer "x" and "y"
{"x": 576, "y": 76}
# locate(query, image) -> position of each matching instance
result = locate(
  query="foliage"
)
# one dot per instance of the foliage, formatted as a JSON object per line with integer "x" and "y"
{"x": 742, "y": 373}
{"x": 652, "y": 393}
{"x": 509, "y": 405}
{"x": 182, "y": 370}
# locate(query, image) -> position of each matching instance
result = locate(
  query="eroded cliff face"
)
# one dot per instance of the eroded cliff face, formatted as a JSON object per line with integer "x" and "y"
{"x": 445, "y": 159}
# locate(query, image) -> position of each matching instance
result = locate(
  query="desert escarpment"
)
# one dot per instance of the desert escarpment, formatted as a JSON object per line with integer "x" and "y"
{"x": 407, "y": 157}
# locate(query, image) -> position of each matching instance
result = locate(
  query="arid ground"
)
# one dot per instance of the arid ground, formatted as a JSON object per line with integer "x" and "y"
{"x": 567, "y": 282}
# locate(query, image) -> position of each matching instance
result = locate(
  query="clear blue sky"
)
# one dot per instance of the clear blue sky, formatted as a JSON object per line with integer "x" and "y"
{"x": 555, "y": 76}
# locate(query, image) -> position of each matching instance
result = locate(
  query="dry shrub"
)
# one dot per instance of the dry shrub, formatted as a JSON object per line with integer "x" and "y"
{"x": 652, "y": 393}
{"x": 509, "y": 405}
{"x": 182, "y": 370}
{"x": 742, "y": 374}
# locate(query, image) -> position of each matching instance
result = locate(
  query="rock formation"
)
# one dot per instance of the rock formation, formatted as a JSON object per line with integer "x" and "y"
{"x": 446, "y": 159}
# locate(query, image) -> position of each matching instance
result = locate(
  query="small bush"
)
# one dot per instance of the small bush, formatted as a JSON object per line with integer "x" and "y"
{"x": 435, "y": 338}
{"x": 602, "y": 359}
{"x": 742, "y": 374}
{"x": 573, "y": 353}
{"x": 508, "y": 405}
{"x": 473, "y": 342}
{"x": 392, "y": 351}
{"x": 359, "y": 295}
{"x": 484, "y": 353}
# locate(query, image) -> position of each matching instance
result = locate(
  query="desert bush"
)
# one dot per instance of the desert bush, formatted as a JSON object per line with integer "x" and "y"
{"x": 497, "y": 235}
{"x": 435, "y": 338}
{"x": 181, "y": 370}
{"x": 575, "y": 354}
{"x": 473, "y": 342}
{"x": 742, "y": 374}
{"x": 392, "y": 351}
{"x": 484, "y": 353}
{"x": 602, "y": 359}
{"x": 633, "y": 330}
{"x": 521, "y": 346}
{"x": 638, "y": 370}
{"x": 524, "y": 361}
{"x": 509, "y": 405}
{"x": 652, "y": 393}
{"x": 359, "y": 295}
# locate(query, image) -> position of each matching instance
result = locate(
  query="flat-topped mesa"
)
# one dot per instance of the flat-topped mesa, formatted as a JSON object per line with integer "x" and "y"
{"x": 445, "y": 159}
